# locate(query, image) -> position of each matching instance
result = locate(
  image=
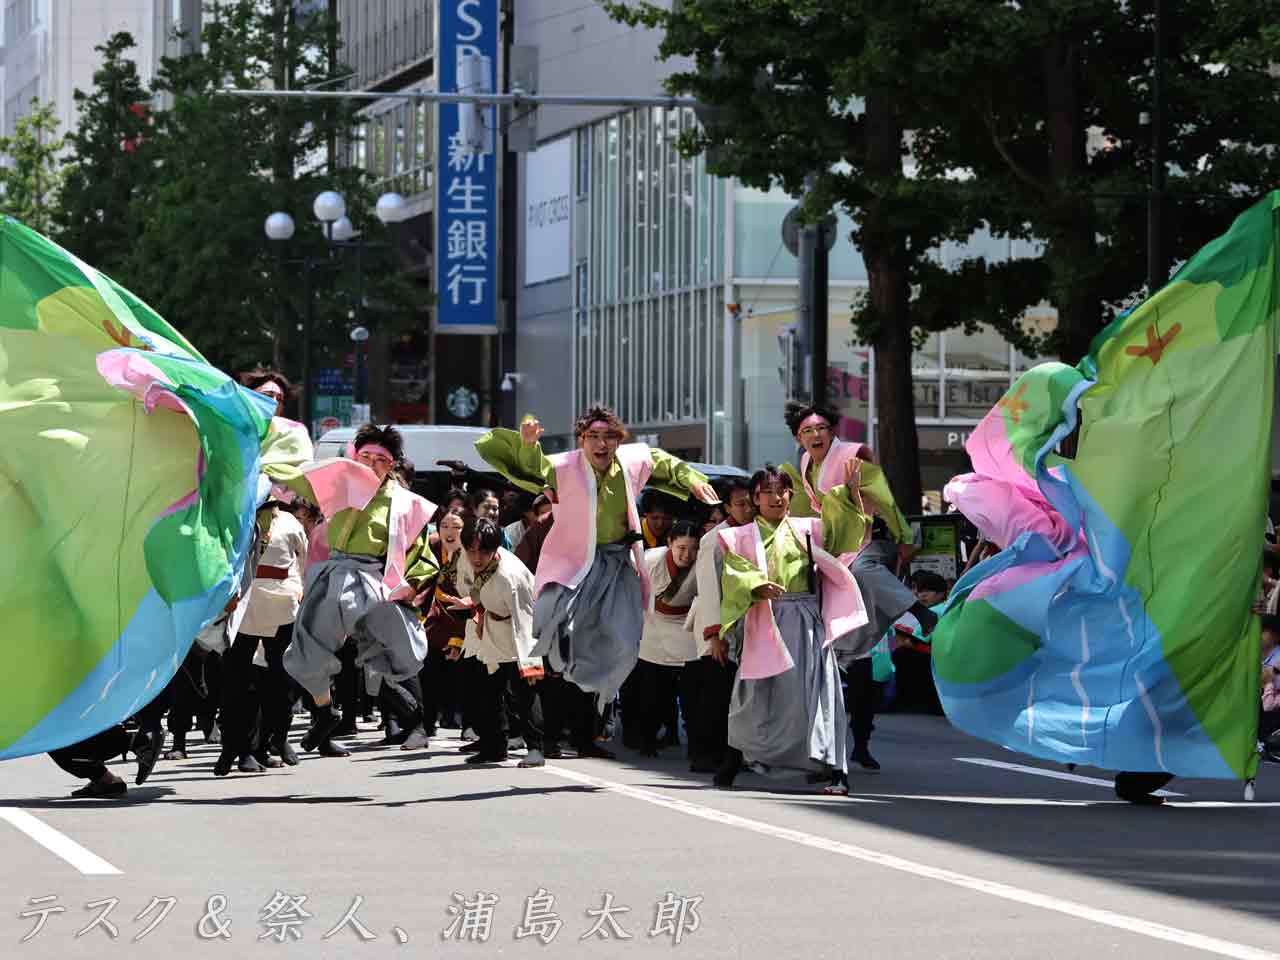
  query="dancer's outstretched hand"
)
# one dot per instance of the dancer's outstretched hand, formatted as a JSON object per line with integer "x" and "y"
{"x": 531, "y": 430}
{"x": 768, "y": 591}
{"x": 706, "y": 493}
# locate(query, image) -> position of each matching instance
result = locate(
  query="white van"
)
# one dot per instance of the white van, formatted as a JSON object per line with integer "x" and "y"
{"x": 427, "y": 445}
{"x": 423, "y": 444}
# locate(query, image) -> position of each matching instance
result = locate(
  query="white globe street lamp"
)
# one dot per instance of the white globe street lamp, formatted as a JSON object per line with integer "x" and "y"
{"x": 391, "y": 208}
{"x": 343, "y": 229}
{"x": 279, "y": 226}
{"x": 329, "y": 206}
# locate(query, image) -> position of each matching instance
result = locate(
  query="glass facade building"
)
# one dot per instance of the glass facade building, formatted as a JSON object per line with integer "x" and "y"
{"x": 648, "y": 274}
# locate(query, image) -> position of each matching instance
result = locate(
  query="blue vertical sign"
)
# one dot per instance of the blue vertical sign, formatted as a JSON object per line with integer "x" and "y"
{"x": 466, "y": 183}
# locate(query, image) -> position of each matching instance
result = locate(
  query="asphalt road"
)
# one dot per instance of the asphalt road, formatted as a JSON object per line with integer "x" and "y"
{"x": 935, "y": 857}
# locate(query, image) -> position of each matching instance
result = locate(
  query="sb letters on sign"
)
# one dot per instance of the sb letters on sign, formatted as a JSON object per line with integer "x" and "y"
{"x": 467, "y": 183}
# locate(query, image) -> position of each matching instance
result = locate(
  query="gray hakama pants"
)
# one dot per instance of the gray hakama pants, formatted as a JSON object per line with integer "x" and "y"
{"x": 592, "y": 634}
{"x": 342, "y": 598}
{"x": 886, "y": 597}
{"x": 796, "y": 720}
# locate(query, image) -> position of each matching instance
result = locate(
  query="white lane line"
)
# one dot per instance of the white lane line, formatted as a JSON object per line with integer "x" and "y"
{"x": 85, "y": 861}
{"x": 997, "y": 801}
{"x": 1156, "y": 931}
{"x": 1053, "y": 774}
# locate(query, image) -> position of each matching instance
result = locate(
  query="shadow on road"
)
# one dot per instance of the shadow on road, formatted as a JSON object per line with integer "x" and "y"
{"x": 491, "y": 795}
{"x": 1208, "y": 846}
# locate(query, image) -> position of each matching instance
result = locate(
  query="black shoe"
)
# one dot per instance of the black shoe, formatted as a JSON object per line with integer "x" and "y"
{"x": 595, "y": 751}
{"x": 222, "y": 766}
{"x": 147, "y": 745}
{"x": 704, "y": 765}
{"x": 286, "y": 751}
{"x": 395, "y": 738}
{"x": 728, "y": 771}
{"x": 179, "y": 749}
{"x": 249, "y": 764}
{"x": 472, "y": 747}
{"x": 96, "y": 789}
{"x": 268, "y": 761}
{"x": 865, "y": 760}
{"x": 323, "y": 722}
{"x": 552, "y": 751}
{"x": 1139, "y": 788}
{"x": 331, "y": 749}
{"x": 487, "y": 756}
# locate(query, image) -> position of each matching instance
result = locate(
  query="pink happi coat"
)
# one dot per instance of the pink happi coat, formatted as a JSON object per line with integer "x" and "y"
{"x": 340, "y": 484}
{"x": 830, "y": 472}
{"x": 764, "y": 653}
{"x": 570, "y": 547}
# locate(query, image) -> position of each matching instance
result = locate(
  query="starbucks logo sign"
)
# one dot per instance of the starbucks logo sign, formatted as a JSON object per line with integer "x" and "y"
{"x": 462, "y": 402}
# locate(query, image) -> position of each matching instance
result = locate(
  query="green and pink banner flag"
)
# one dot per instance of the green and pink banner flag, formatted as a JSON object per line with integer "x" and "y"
{"x": 129, "y": 477}
{"x": 1129, "y": 495}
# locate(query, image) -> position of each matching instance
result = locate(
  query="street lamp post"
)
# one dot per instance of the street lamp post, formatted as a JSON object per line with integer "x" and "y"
{"x": 330, "y": 208}
{"x": 360, "y": 339}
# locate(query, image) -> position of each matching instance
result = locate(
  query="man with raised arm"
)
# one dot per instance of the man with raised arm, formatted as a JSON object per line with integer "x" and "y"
{"x": 591, "y": 586}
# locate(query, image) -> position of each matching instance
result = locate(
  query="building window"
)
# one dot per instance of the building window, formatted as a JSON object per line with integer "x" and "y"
{"x": 649, "y": 337}
{"x": 584, "y": 161}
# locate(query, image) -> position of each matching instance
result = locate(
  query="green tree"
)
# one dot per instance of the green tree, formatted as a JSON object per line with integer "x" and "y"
{"x": 1047, "y": 105}
{"x": 30, "y": 181}
{"x": 1021, "y": 119}
{"x": 824, "y": 91}
{"x": 218, "y": 164}
{"x": 108, "y": 161}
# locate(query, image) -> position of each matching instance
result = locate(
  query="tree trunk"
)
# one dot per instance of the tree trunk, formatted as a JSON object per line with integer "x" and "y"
{"x": 885, "y": 251}
{"x": 1070, "y": 253}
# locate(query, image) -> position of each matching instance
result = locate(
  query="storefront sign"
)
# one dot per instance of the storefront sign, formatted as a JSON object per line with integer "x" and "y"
{"x": 548, "y": 185}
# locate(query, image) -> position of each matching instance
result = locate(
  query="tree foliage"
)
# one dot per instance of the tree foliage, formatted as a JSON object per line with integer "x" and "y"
{"x": 173, "y": 200}
{"x": 110, "y": 149}
{"x": 1022, "y": 119}
{"x": 30, "y": 180}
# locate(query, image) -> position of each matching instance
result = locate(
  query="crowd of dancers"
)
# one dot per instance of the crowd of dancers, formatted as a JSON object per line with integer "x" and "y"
{"x": 750, "y": 610}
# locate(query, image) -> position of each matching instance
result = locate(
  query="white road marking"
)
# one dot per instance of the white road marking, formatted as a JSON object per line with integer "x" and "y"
{"x": 998, "y": 801}
{"x": 1053, "y": 774}
{"x": 52, "y": 840}
{"x": 1156, "y": 931}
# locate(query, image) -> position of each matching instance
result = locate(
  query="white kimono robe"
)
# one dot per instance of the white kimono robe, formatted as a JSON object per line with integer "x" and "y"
{"x": 506, "y": 634}
{"x": 666, "y": 640}
{"x": 273, "y": 603}
{"x": 708, "y": 569}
